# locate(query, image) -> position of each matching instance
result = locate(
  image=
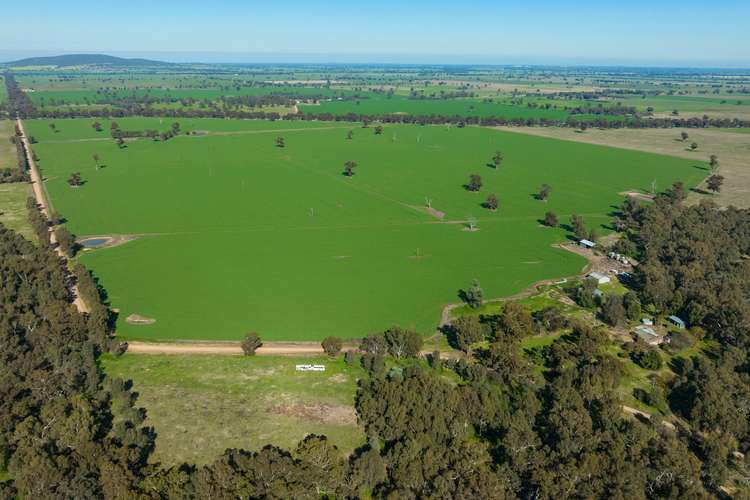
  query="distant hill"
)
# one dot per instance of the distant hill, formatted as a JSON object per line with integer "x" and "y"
{"x": 85, "y": 60}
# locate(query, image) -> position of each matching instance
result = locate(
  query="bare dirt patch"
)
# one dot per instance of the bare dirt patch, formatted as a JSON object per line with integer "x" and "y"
{"x": 436, "y": 213}
{"x": 637, "y": 195}
{"x": 137, "y": 319}
{"x": 318, "y": 412}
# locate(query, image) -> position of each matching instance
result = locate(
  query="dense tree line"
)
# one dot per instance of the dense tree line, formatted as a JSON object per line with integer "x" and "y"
{"x": 600, "y": 122}
{"x": 20, "y": 103}
{"x": 694, "y": 263}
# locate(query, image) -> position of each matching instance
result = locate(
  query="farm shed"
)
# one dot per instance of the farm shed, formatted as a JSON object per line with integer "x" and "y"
{"x": 648, "y": 335}
{"x": 598, "y": 277}
{"x": 676, "y": 321}
{"x": 587, "y": 244}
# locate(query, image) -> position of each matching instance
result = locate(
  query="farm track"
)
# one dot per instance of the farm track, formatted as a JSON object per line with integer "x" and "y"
{"x": 234, "y": 349}
{"x": 445, "y": 316}
{"x": 38, "y": 187}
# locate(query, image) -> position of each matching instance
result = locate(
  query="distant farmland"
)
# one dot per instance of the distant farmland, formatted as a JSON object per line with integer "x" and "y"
{"x": 236, "y": 234}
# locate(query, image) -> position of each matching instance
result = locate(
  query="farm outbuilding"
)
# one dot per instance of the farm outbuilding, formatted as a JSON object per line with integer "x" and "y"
{"x": 598, "y": 277}
{"x": 676, "y": 321}
{"x": 648, "y": 335}
{"x": 587, "y": 244}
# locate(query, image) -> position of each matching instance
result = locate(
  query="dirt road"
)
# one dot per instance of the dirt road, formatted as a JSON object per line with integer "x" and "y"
{"x": 445, "y": 316}
{"x": 38, "y": 187}
{"x": 227, "y": 348}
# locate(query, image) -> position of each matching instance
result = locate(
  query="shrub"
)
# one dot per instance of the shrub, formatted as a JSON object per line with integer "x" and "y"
{"x": 649, "y": 359}
{"x": 331, "y": 345}
{"x": 250, "y": 343}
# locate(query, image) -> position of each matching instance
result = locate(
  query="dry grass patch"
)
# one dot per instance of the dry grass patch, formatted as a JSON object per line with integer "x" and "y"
{"x": 201, "y": 405}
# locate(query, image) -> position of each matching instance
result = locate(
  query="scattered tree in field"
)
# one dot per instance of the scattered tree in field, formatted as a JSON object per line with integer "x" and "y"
{"x": 250, "y": 343}
{"x": 349, "y": 167}
{"x": 472, "y": 223}
{"x": 544, "y": 192}
{"x": 120, "y": 142}
{"x": 684, "y": 136}
{"x": 176, "y": 128}
{"x": 75, "y": 179}
{"x": 53, "y": 127}
{"x": 475, "y": 183}
{"x": 332, "y": 345}
{"x": 379, "y": 130}
{"x": 97, "y": 126}
{"x": 491, "y": 203}
{"x": 713, "y": 163}
{"x": 550, "y": 219}
{"x": 350, "y": 135}
{"x": 473, "y": 296}
{"x": 579, "y": 227}
{"x": 693, "y": 146}
{"x": 280, "y": 143}
{"x": 95, "y": 157}
{"x": 714, "y": 182}
{"x": 497, "y": 159}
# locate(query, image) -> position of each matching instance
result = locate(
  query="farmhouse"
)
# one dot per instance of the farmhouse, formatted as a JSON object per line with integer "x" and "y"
{"x": 598, "y": 277}
{"x": 648, "y": 335}
{"x": 676, "y": 321}
{"x": 587, "y": 244}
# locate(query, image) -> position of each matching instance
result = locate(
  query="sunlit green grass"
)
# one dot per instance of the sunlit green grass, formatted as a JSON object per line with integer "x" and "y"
{"x": 236, "y": 234}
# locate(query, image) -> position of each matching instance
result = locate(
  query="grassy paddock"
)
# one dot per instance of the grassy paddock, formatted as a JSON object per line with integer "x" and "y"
{"x": 201, "y": 405}
{"x": 13, "y": 196}
{"x": 236, "y": 234}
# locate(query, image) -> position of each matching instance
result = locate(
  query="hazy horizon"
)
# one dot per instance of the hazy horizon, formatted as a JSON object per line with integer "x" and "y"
{"x": 220, "y": 57}
{"x": 668, "y": 33}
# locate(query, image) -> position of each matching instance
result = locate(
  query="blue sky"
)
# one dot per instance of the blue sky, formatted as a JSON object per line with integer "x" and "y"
{"x": 636, "y": 32}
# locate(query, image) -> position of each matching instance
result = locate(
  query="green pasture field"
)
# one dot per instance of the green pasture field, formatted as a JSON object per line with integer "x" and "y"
{"x": 95, "y": 96}
{"x": 689, "y": 103}
{"x": 201, "y": 405}
{"x": 376, "y": 104}
{"x": 237, "y": 235}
